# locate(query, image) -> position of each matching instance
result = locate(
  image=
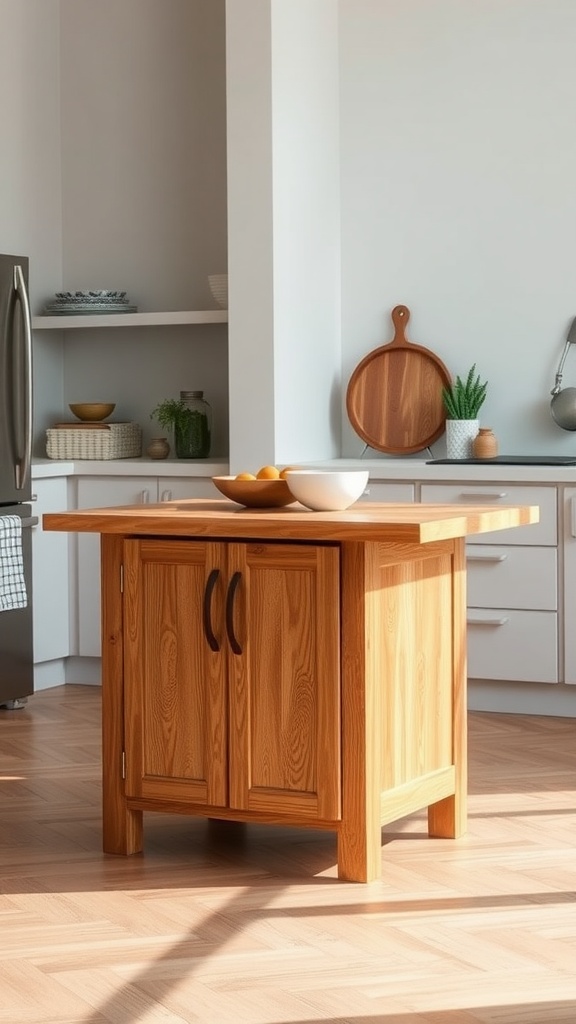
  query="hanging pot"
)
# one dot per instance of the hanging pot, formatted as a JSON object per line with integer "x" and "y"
{"x": 563, "y": 404}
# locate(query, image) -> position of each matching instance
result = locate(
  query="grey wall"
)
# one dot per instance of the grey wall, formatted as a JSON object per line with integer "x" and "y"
{"x": 30, "y": 187}
{"x": 144, "y": 148}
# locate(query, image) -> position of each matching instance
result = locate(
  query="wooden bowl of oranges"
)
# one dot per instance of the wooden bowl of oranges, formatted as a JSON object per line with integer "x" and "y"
{"x": 265, "y": 489}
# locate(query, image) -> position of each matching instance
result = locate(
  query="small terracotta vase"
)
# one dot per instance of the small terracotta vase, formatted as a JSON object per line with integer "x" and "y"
{"x": 158, "y": 448}
{"x": 485, "y": 444}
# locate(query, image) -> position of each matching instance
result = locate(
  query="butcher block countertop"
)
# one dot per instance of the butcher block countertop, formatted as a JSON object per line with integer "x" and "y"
{"x": 384, "y": 522}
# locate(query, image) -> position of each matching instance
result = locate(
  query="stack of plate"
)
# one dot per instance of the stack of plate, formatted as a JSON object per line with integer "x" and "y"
{"x": 99, "y": 301}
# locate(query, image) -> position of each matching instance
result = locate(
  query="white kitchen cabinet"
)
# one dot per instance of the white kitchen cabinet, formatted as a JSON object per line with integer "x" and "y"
{"x": 394, "y": 492}
{"x": 512, "y": 618}
{"x": 174, "y": 488}
{"x": 102, "y": 491}
{"x": 506, "y": 644}
{"x": 543, "y": 532}
{"x": 569, "y": 618}
{"x": 521, "y": 577}
{"x": 95, "y": 492}
{"x": 50, "y": 575}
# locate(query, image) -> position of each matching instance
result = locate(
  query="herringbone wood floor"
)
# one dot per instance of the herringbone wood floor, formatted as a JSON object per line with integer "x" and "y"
{"x": 250, "y": 924}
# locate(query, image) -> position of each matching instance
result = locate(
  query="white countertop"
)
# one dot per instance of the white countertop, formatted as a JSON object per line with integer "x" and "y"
{"x": 418, "y": 469}
{"x": 392, "y": 469}
{"x": 44, "y": 468}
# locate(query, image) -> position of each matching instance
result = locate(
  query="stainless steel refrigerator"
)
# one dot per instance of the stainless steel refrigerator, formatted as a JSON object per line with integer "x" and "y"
{"x": 16, "y": 653}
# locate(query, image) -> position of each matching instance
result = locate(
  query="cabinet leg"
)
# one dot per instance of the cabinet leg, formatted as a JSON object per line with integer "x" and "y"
{"x": 122, "y": 827}
{"x": 360, "y": 853}
{"x": 122, "y": 830}
{"x": 447, "y": 818}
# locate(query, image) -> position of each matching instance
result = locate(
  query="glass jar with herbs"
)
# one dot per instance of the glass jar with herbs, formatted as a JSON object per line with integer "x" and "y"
{"x": 190, "y": 417}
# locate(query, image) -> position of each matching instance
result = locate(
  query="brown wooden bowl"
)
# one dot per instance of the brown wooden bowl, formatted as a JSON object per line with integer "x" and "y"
{"x": 255, "y": 493}
{"x": 92, "y": 412}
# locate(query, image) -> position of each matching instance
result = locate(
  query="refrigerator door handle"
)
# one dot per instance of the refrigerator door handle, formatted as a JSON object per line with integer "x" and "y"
{"x": 29, "y": 521}
{"x": 22, "y": 467}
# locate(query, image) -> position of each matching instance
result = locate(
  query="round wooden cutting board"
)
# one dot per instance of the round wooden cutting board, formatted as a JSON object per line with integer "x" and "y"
{"x": 394, "y": 396}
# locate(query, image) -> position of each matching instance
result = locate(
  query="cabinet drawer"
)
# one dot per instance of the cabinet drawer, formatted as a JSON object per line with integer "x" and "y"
{"x": 176, "y": 488}
{"x": 543, "y": 532}
{"x": 511, "y": 577}
{"x": 403, "y": 493}
{"x": 513, "y": 645}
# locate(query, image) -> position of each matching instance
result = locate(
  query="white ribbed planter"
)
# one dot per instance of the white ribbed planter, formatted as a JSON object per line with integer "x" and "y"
{"x": 460, "y": 435}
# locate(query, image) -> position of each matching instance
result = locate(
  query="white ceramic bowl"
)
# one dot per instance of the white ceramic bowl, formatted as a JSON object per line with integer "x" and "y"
{"x": 327, "y": 490}
{"x": 219, "y": 288}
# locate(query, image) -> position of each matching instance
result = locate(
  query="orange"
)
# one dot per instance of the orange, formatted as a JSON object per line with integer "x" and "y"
{"x": 286, "y": 470}
{"x": 245, "y": 476}
{"x": 267, "y": 473}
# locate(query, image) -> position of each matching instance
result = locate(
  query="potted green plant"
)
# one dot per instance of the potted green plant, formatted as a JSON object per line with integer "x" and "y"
{"x": 189, "y": 417}
{"x": 463, "y": 399}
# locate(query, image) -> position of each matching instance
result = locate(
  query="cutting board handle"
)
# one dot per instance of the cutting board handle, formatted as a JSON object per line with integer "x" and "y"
{"x": 400, "y": 317}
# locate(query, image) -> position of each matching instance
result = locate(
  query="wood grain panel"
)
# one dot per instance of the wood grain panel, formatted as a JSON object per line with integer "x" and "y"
{"x": 364, "y": 521}
{"x": 176, "y": 694}
{"x": 285, "y": 686}
{"x": 121, "y": 826}
{"x": 416, "y": 668}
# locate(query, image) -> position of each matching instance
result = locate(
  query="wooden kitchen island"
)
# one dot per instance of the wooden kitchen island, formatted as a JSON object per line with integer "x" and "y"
{"x": 285, "y": 666}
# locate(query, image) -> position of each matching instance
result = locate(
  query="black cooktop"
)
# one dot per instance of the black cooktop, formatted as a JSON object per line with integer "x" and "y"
{"x": 509, "y": 460}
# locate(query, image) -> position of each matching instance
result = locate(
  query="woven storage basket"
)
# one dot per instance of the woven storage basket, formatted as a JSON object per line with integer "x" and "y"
{"x": 114, "y": 441}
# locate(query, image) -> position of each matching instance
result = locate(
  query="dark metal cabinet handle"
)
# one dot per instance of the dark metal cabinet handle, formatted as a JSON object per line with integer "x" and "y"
{"x": 232, "y": 587}
{"x": 207, "y": 616}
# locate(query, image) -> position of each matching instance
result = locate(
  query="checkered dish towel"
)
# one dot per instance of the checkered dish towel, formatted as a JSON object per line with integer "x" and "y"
{"x": 12, "y": 583}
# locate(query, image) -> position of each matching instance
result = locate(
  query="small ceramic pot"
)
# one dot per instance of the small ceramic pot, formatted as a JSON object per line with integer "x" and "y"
{"x": 158, "y": 448}
{"x": 459, "y": 437}
{"x": 485, "y": 444}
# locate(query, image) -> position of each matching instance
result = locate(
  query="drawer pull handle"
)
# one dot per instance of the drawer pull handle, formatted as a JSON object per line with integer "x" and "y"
{"x": 485, "y": 558}
{"x": 232, "y": 587}
{"x": 207, "y": 610}
{"x": 496, "y": 621}
{"x": 166, "y": 496}
{"x": 483, "y": 495}
{"x": 144, "y": 497}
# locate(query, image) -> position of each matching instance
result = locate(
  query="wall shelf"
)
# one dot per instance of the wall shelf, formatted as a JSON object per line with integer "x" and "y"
{"x": 79, "y": 322}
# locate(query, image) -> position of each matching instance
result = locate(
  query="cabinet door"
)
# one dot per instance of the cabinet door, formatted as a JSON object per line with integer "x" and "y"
{"x": 569, "y": 526}
{"x": 394, "y": 492}
{"x": 97, "y": 492}
{"x": 50, "y": 575}
{"x": 178, "y": 487}
{"x": 283, "y": 630}
{"x": 175, "y": 681}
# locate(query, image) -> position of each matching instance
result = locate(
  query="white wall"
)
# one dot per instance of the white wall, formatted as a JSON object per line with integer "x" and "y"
{"x": 459, "y": 195}
{"x": 283, "y": 242}
{"x": 306, "y": 199}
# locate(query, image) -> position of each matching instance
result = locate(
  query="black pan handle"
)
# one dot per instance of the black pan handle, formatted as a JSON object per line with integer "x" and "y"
{"x": 207, "y": 610}
{"x": 232, "y": 588}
